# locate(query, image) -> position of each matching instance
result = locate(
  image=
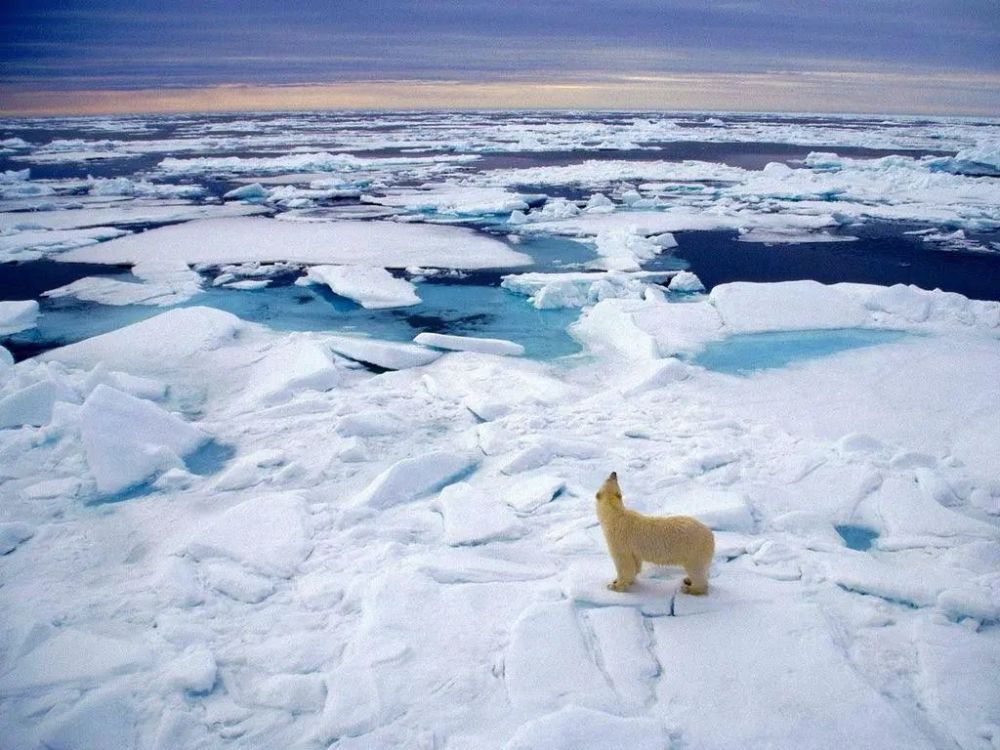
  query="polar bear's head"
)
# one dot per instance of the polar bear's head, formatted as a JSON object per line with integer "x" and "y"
{"x": 610, "y": 494}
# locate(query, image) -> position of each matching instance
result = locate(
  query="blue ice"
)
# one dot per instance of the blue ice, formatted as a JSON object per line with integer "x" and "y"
{"x": 210, "y": 458}
{"x": 470, "y": 306}
{"x": 747, "y": 353}
{"x": 857, "y": 537}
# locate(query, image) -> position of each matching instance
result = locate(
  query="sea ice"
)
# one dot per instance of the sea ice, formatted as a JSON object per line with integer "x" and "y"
{"x": 364, "y": 563}
{"x": 469, "y": 344}
{"x": 156, "y": 345}
{"x": 627, "y": 249}
{"x": 412, "y": 478}
{"x": 118, "y": 215}
{"x": 685, "y": 281}
{"x": 372, "y": 288}
{"x": 29, "y": 406}
{"x": 579, "y": 289}
{"x": 548, "y": 663}
{"x": 457, "y": 200}
{"x": 161, "y": 284}
{"x": 195, "y": 670}
{"x": 577, "y": 728}
{"x": 471, "y": 517}
{"x": 385, "y": 354}
{"x": 127, "y": 440}
{"x": 14, "y": 534}
{"x": 379, "y": 244}
{"x": 17, "y": 316}
{"x": 104, "y": 718}
{"x": 73, "y": 655}
{"x": 288, "y": 369}
{"x": 306, "y": 162}
{"x": 267, "y": 533}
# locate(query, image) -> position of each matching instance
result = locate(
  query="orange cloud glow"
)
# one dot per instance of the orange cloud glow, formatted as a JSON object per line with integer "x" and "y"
{"x": 802, "y": 92}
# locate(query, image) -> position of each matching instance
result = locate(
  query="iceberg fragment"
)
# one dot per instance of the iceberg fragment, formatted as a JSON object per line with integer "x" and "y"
{"x": 128, "y": 440}
{"x": 372, "y": 288}
{"x": 469, "y": 344}
{"x": 17, "y": 316}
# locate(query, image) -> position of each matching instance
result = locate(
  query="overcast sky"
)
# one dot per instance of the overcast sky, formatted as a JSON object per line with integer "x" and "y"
{"x": 878, "y": 55}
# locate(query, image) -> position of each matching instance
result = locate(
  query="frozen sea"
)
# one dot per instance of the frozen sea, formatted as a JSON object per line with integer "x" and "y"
{"x": 302, "y": 415}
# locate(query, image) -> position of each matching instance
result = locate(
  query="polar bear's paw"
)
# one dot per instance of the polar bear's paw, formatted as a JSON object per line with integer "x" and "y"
{"x": 689, "y": 587}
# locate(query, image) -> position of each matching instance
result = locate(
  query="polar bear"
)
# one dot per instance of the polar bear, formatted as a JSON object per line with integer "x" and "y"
{"x": 664, "y": 540}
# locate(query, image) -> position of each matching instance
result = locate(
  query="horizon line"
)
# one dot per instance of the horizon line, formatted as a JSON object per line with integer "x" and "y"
{"x": 782, "y": 92}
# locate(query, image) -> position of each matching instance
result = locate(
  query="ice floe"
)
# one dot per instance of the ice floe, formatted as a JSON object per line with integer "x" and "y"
{"x": 579, "y": 289}
{"x": 378, "y": 244}
{"x": 372, "y": 288}
{"x": 469, "y": 344}
{"x": 17, "y": 316}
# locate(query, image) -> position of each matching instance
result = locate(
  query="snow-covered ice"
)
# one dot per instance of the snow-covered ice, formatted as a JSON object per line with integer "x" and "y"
{"x": 17, "y": 316}
{"x": 372, "y": 288}
{"x": 386, "y": 354}
{"x": 127, "y": 439}
{"x": 469, "y": 344}
{"x": 378, "y": 244}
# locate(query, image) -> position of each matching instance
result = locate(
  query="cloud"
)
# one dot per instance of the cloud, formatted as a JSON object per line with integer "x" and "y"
{"x": 53, "y": 45}
{"x": 799, "y": 91}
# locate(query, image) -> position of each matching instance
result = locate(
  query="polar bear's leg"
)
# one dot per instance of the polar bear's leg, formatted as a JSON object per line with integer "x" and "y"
{"x": 696, "y": 581}
{"x": 625, "y": 567}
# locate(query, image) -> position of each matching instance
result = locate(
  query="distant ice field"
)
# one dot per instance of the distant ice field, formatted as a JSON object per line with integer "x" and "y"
{"x": 745, "y": 198}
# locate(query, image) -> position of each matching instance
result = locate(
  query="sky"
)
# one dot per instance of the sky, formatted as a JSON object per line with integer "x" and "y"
{"x": 891, "y": 56}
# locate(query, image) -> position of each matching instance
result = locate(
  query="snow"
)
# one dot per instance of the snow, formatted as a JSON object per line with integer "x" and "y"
{"x": 469, "y": 344}
{"x": 13, "y": 535}
{"x": 73, "y": 655}
{"x": 767, "y": 649}
{"x": 105, "y": 718}
{"x": 267, "y": 534}
{"x": 470, "y": 518}
{"x": 29, "y": 406}
{"x": 412, "y": 478}
{"x": 548, "y": 663}
{"x": 288, "y": 370}
{"x": 746, "y": 308}
{"x": 17, "y": 316}
{"x": 157, "y": 344}
{"x": 376, "y": 244}
{"x": 194, "y": 671}
{"x": 372, "y": 288}
{"x": 127, "y": 440}
{"x": 576, "y": 728}
{"x": 297, "y": 693}
{"x": 526, "y": 494}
